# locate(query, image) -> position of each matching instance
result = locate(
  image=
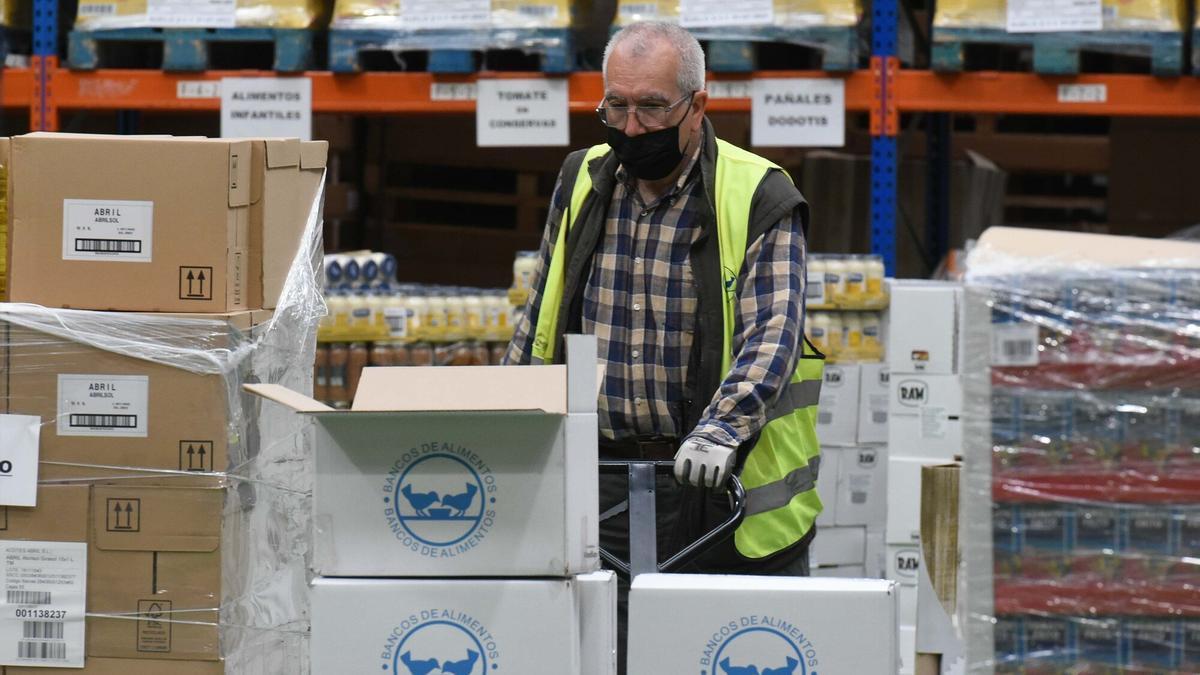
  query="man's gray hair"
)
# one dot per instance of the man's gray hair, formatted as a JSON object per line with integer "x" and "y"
{"x": 643, "y": 36}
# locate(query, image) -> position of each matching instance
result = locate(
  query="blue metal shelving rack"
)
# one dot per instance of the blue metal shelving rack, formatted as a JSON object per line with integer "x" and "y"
{"x": 44, "y": 61}
{"x": 884, "y": 128}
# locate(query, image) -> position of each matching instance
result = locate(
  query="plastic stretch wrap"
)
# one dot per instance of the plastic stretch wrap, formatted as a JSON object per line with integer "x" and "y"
{"x": 1119, "y": 15}
{"x": 246, "y": 487}
{"x": 1081, "y": 483}
{"x": 785, "y": 14}
{"x": 111, "y": 14}
{"x": 465, "y": 24}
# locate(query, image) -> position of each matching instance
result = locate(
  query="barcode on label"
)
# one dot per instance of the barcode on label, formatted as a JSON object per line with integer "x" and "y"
{"x": 42, "y": 630}
{"x": 50, "y": 651}
{"x": 1017, "y": 349}
{"x": 108, "y": 245}
{"x": 28, "y": 597}
{"x": 540, "y": 11}
{"x": 106, "y": 421}
{"x": 858, "y": 498}
{"x": 824, "y": 418}
{"x": 879, "y": 417}
{"x": 96, "y": 9}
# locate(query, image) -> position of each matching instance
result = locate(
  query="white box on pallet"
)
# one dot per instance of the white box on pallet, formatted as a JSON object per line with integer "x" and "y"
{"x": 903, "y": 567}
{"x": 837, "y": 413}
{"x": 923, "y": 328}
{"x": 827, "y": 486}
{"x": 904, "y": 498}
{"x": 467, "y": 626}
{"x": 838, "y": 546}
{"x": 840, "y": 572}
{"x": 446, "y": 472}
{"x": 925, "y": 417}
{"x": 874, "y": 391}
{"x": 685, "y": 623}
{"x": 861, "y": 486}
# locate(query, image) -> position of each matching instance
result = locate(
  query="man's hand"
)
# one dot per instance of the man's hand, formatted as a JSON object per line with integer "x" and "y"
{"x": 700, "y": 463}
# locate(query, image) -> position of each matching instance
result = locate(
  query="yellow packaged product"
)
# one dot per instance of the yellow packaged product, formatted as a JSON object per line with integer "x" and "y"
{"x": 16, "y": 13}
{"x": 111, "y": 14}
{"x": 1119, "y": 15}
{"x": 787, "y": 13}
{"x": 431, "y": 14}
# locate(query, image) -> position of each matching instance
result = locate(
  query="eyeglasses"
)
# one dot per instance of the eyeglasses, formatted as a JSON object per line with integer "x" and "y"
{"x": 649, "y": 116}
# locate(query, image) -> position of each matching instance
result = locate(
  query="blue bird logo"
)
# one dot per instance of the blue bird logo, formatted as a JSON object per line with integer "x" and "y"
{"x": 730, "y": 669}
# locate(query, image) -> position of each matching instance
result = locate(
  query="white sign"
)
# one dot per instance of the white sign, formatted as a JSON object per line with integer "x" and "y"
{"x": 452, "y": 91}
{"x": 729, "y": 89}
{"x": 198, "y": 89}
{"x": 445, "y": 13}
{"x": 1047, "y": 16}
{"x": 1083, "y": 93}
{"x": 107, "y": 230}
{"x": 19, "y": 459}
{"x": 258, "y": 107}
{"x": 721, "y": 13}
{"x": 103, "y": 405}
{"x": 522, "y": 113}
{"x": 41, "y": 609}
{"x": 798, "y": 113}
{"x": 192, "y": 13}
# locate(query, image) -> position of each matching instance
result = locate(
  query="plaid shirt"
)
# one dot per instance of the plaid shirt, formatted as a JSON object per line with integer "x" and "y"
{"x": 640, "y": 303}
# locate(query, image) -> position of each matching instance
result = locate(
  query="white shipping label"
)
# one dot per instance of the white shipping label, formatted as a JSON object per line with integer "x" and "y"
{"x": 445, "y": 13}
{"x": 878, "y": 405}
{"x": 719, "y": 13}
{"x": 19, "y": 436}
{"x": 543, "y": 14}
{"x": 90, "y": 10}
{"x": 1047, "y": 16}
{"x": 933, "y": 422}
{"x": 41, "y": 620}
{"x": 1083, "y": 93}
{"x": 522, "y": 113}
{"x": 109, "y": 230}
{"x": 103, "y": 405}
{"x": 825, "y": 407}
{"x": 631, "y": 12}
{"x": 798, "y": 112}
{"x": 1014, "y": 344}
{"x": 192, "y": 13}
{"x": 729, "y": 89}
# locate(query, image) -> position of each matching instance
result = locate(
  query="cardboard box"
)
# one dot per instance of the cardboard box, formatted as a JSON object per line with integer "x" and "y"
{"x": 827, "y": 486}
{"x": 285, "y": 181}
{"x": 684, "y": 623}
{"x": 469, "y": 471}
{"x": 862, "y": 487}
{"x": 155, "y": 554}
{"x": 526, "y": 626}
{"x": 908, "y": 650}
{"x": 103, "y": 409}
{"x": 923, "y": 328}
{"x": 940, "y": 530}
{"x": 876, "y": 562}
{"x": 837, "y": 416}
{"x": 61, "y": 515}
{"x": 131, "y": 224}
{"x": 598, "y": 622}
{"x": 874, "y": 394}
{"x": 838, "y": 546}
{"x": 926, "y": 416}
{"x": 96, "y": 666}
{"x": 904, "y": 498}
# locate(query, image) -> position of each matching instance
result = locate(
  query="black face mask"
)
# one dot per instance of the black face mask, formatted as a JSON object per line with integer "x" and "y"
{"x": 650, "y": 156}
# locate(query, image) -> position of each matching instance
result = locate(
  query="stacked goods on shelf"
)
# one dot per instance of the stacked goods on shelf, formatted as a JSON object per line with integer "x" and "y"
{"x": 924, "y": 425}
{"x": 1082, "y": 474}
{"x": 96, "y": 15}
{"x": 173, "y": 509}
{"x": 782, "y": 14}
{"x": 852, "y": 417}
{"x": 1118, "y": 15}
{"x": 373, "y": 321}
{"x": 342, "y": 197}
{"x": 457, "y": 522}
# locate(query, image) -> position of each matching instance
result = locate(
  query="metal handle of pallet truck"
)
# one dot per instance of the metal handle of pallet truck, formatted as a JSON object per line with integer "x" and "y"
{"x": 642, "y": 474}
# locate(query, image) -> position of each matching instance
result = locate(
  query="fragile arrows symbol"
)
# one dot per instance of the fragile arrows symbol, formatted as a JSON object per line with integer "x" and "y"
{"x": 128, "y": 511}
{"x": 201, "y": 279}
{"x": 191, "y": 453}
{"x": 191, "y": 279}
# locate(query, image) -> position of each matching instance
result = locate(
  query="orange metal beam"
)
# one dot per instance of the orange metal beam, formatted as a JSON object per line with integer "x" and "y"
{"x": 16, "y": 87}
{"x": 370, "y": 93}
{"x": 1027, "y": 93}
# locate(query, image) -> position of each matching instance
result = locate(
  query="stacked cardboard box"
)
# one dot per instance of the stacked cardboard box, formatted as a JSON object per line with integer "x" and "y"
{"x": 457, "y": 524}
{"x": 924, "y": 425}
{"x": 158, "y": 478}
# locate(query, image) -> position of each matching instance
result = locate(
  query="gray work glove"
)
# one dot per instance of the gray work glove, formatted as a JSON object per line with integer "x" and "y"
{"x": 700, "y": 463}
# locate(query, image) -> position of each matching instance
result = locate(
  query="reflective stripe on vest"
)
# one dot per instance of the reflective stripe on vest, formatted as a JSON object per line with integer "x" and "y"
{"x": 780, "y": 472}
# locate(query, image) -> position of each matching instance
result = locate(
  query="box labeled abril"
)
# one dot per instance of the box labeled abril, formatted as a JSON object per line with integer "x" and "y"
{"x": 133, "y": 224}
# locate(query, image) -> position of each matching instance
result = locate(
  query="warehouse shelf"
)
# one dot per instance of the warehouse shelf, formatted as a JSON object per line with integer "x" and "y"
{"x": 16, "y": 88}
{"x": 1076, "y": 484}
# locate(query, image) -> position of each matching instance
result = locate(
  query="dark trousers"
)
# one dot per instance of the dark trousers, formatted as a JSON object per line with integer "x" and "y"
{"x": 683, "y": 514}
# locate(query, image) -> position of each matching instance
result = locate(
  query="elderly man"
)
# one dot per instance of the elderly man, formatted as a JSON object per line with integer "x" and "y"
{"x": 684, "y": 255}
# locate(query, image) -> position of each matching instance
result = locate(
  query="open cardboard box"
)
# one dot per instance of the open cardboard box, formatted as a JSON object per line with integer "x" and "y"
{"x": 469, "y": 471}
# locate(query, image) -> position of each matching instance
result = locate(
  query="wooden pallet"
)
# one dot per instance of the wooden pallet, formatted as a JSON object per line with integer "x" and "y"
{"x": 184, "y": 49}
{"x": 1059, "y": 53}
{"x": 350, "y": 50}
{"x": 835, "y": 47}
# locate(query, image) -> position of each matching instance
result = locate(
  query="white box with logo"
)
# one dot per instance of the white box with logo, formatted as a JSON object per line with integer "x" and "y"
{"x": 827, "y": 486}
{"x": 926, "y": 416}
{"x": 874, "y": 392}
{"x": 861, "y": 486}
{"x": 904, "y": 498}
{"x": 923, "y": 327}
{"x": 837, "y": 413}
{"x": 447, "y": 472}
{"x": 691, "y": 623}
{"x": 465, "y": 626}
{"x": 903, "y": 567}
{"x": 838, "y": 546}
